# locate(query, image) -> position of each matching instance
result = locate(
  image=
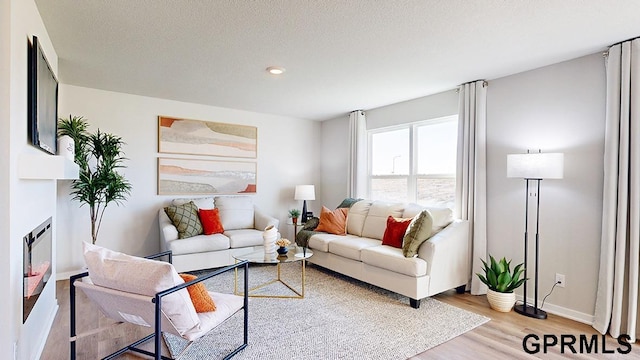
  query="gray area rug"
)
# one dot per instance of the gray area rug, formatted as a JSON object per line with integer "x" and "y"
{"x": 339, "y": 318}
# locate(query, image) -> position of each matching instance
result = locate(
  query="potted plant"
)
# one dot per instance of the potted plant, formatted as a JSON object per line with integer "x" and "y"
{"x": 294, "y": 214}
{"x": 501, "y": 282}
{"x": 99, "y": 156}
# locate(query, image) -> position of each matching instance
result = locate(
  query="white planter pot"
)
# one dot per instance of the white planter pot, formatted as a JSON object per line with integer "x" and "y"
{"x": 502, "y": 302}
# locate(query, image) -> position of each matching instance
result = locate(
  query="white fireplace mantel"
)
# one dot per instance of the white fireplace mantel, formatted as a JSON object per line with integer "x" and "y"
{"x": 52, "y": 167}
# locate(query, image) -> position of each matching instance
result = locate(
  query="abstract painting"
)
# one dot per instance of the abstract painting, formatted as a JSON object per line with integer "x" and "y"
{"x": 196, "y": 137}
{"x": 205, "y": 177}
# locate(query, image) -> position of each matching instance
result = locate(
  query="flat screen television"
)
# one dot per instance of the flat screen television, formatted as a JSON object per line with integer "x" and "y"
{"x": 43, "y": 101}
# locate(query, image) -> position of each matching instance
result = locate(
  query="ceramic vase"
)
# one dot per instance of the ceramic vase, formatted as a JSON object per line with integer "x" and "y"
{"x": 502, "y": 302}
{"x": 282, "y": 250}
{"x": 270, "y": 235}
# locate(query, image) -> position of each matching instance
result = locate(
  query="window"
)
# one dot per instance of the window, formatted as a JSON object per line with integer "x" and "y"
{"x": 415, "y": 162}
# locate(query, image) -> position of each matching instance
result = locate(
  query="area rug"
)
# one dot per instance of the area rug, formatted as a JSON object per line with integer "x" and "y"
{"x": 339, "y": 318}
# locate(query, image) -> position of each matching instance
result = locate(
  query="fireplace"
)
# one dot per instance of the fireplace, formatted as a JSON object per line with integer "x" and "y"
{"x": 36, "y": 265}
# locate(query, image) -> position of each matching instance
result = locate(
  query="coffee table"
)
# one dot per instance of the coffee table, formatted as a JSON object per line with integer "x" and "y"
{"x": 259, "y": 257}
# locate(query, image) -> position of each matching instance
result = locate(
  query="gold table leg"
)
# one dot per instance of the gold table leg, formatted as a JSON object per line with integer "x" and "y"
{"x": 298, "y": 294}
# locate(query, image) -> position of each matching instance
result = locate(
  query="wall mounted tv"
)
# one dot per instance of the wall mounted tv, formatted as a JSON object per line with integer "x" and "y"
{"x": 43, "y": 100}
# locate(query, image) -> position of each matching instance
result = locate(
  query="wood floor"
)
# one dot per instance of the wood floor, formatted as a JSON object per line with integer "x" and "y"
{"x": 500, "y": 338}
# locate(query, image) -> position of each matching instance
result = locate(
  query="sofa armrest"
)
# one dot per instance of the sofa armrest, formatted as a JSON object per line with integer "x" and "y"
{"x": 262, "y": 220}
{"x": 447, "y": 257}
{"x": 168, "y": 232}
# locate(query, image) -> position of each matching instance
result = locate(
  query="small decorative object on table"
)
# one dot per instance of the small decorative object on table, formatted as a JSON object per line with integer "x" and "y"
{"x": 282, "y": 246}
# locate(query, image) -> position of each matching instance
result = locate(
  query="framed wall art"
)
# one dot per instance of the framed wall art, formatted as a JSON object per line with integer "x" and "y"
{"x": 197, "y": 137}
{"x": 205, "y": 177}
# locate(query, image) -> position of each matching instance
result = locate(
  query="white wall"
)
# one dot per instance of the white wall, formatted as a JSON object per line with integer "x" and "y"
{"x": 555, "y": 108}
{"x": 335, "y": 136}
{"x": 558, "y": 108}
{"x": 288, "y": 150}
{"x": 30, "y": 201}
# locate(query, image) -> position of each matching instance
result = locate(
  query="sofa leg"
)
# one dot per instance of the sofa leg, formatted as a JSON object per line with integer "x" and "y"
{"x": 414, "y": 303}
{"x": 460, "y": 289}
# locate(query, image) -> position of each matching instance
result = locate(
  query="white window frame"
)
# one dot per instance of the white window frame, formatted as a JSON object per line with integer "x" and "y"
{"x": 413, "y": 176}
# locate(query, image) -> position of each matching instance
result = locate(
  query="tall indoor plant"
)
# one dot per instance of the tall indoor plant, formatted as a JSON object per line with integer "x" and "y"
{"x": 99, "y": 155}
{"x": 501, "y": 282}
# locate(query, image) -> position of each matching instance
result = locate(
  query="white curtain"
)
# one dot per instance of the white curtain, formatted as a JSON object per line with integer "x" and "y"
{"x": 617, "y": 299}
{"x": 471, "y": 173}
{"x": 357, "y": 183}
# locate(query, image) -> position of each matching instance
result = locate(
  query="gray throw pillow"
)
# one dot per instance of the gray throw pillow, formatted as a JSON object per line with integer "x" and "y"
{"x": 419, "y": 231}
{"x": 185, "y": 218}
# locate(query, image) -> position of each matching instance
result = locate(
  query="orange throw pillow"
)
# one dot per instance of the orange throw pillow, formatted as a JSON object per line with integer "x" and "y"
{"x": 210, "y": 220}
{"x": 394, "y": 233}
{"x": 333, "y": 222}
{"x": 199, "y": 295}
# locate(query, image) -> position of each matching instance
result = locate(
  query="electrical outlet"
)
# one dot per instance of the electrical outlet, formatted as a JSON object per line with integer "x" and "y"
{"x": 560, "y": 280}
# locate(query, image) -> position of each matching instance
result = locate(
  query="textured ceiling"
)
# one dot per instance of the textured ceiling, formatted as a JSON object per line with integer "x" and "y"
{"x": 339, "y": 55}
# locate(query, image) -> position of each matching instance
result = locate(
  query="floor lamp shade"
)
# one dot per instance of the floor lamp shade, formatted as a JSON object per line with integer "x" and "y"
{"x": 533, "y": 167}
{"x": 304, "y": 193}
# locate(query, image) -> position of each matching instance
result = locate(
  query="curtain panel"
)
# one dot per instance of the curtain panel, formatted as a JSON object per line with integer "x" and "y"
{"x": 357, "y": 181}
{"x": 616, "y": 308}
{"x": 471, "y": 173}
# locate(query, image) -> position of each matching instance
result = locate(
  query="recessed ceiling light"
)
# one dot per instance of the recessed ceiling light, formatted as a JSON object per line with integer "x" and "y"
{"x": 275, "y": 70}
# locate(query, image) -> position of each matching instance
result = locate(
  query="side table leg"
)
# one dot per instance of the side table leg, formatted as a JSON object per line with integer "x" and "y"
{"x": 304, "y": 261}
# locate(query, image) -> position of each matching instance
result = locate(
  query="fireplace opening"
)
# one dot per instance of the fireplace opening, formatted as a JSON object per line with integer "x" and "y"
{"x": 36, "y": 265}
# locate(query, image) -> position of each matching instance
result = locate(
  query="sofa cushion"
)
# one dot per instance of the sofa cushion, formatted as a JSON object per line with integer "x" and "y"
{"x": 376, "y": 221}
{"x": 236, "y": 212}
{"x": 244, "y": 237}
{"x": 394, "y": 233}
{"x": 320, "y": 241}
{"x": 185, "y": 218}
{"x": 205, "y": 203}
{"x": 333, "y": 222}
{"x": 441, "y": 216}
{"x": 420, "y": 229}
{"x": 198, "y": 244}
{"x": 356, "y": 216}
{"x": 351, "y": 247}
{"x": 390, "y": 258}
{"x": 142, "y": 276}
{"x": 210, "y": 220}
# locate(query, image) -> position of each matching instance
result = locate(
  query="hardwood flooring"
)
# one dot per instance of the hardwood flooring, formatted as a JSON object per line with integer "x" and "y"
{"x": 500, "y": 338}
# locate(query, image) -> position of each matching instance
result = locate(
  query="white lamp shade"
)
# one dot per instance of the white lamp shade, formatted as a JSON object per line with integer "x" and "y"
{"x": 305, "y": 192}
{"x": 535, "y": 166}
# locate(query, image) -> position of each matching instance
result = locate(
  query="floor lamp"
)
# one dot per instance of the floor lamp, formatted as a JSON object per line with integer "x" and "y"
{"x": 533, "y": 167}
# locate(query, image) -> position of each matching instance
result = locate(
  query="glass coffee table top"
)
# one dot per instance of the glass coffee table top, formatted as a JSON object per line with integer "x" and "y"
{"x": 259, "y": 257}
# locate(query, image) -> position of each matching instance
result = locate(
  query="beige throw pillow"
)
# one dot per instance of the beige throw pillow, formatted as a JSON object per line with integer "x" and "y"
{"x": 418, "y": 232}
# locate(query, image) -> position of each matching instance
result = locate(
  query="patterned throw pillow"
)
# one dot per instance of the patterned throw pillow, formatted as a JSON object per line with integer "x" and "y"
{"x": 210, "y": 220}
{"x": 418, "y": 232}
{"x": 185, "y": 218}
{"x": 394, "y": 233}
{"x": 333, "y": 222}
{"x": 200, "y": 297}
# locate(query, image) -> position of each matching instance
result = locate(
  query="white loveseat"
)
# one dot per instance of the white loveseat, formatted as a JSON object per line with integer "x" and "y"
{"x": 442, "y": 263}
{"x": 243, "y": 225}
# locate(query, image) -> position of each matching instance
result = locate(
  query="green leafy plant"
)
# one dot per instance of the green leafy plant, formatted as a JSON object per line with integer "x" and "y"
{"x": 294, "y": 213}
{"x": 99, "y": 155}
{"x": 499, "y": 277}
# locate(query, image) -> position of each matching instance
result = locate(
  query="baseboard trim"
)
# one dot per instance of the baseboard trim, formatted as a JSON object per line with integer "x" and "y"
{"x": 564, "y": 312}
{"x": 67, "y": 274}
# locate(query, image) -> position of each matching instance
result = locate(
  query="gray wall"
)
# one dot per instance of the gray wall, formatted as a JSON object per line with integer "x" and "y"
{"x": 555, "y": 108}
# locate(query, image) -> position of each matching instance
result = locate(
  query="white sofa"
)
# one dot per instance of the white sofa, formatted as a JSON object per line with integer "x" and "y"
{"x": 442, "y": 263}
{"x": 243, "y": 225}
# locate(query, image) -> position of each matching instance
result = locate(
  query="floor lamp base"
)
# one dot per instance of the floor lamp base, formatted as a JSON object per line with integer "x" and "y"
{"x": 530, "y": 311}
